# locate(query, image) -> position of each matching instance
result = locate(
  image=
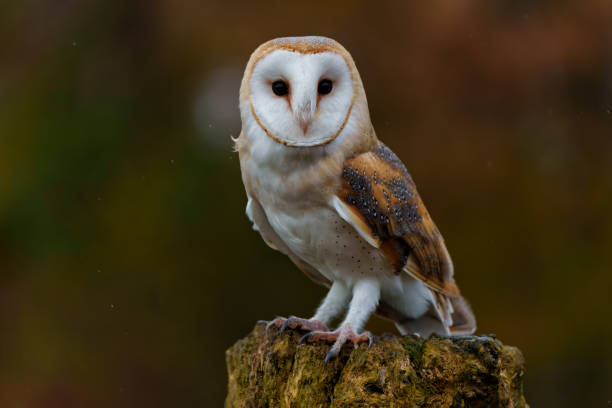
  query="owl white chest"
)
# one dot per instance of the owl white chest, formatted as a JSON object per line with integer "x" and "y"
{"x": 324, "y": 240}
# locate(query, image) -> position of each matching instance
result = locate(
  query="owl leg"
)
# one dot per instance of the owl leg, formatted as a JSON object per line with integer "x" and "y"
{"x": 335, "y": 301}
{"x": 366, "y": 294}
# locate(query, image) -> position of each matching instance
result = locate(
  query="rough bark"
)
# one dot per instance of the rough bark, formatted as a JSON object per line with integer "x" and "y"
{"x": 470, "y": 371}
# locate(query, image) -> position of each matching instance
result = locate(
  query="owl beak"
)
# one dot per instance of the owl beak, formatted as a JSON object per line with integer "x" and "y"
{"x": 304, "y": 115}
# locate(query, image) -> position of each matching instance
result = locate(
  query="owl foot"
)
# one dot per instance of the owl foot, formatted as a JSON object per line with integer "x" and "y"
{"x": 339, "y": 336}
{"x": 293, "y": 322}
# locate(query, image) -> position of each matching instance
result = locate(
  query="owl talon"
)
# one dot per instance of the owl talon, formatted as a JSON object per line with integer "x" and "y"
{"x": 333, "y": 352}
{"x": 305, "y": 338}
{"x": 278, "y": 322}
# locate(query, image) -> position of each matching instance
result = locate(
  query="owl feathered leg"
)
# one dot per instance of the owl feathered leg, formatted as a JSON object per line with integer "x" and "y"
{"x": 334, "y": 302}
{"x": 366, "y": 294}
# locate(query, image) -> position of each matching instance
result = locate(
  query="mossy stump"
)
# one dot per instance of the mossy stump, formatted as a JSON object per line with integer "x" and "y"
{"x": 469, "y": 371}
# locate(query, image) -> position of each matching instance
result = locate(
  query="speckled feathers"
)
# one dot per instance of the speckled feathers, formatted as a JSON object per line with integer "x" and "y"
{"x": 379, "y": 189}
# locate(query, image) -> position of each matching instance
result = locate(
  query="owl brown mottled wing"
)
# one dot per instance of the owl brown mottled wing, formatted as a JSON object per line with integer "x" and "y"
{"x": 378, "y": 197}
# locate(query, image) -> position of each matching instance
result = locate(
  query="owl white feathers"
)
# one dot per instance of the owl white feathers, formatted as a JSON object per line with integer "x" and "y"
{"x": 323, "y": 190}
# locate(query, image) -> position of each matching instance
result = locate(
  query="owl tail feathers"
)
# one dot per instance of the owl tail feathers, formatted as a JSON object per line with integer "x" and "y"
{"x": 461, "y": 321}
{"x": 464, "y": 322}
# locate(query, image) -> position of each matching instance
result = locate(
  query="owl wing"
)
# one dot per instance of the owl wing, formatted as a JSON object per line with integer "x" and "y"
{"x": 378, "y": 197}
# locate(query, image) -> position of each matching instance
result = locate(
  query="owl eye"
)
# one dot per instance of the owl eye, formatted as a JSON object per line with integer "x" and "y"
{"x": 325, "y": 87}
{"x": 280, "y": 88}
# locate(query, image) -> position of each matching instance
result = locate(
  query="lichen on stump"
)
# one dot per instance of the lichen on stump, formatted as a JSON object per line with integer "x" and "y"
{"x": 469, "y": 371}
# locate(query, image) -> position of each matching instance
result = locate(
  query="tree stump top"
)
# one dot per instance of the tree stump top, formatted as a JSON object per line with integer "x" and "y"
{"x": 467, "y": 371}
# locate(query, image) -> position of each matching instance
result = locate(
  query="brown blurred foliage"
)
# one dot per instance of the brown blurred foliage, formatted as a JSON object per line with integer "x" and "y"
{"x": 127, "y": 265}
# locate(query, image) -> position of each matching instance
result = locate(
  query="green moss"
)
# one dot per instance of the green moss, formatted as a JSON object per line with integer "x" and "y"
{"x": 415, "y": 351}
{"x": 395, "y": 372}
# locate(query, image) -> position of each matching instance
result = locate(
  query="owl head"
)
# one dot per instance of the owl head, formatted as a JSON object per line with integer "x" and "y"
{"x": 302, "y": 92}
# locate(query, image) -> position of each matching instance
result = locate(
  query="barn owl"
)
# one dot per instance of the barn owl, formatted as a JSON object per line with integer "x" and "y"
{"x": 323, "y": 190}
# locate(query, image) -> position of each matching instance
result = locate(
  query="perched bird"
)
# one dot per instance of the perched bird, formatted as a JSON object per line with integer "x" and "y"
{"x": 323, "y": 190}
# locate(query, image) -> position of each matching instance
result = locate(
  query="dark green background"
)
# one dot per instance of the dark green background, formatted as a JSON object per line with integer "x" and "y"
{"x": 127, "y": 265}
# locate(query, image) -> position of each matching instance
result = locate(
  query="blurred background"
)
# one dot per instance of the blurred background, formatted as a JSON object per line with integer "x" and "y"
{"x": 127, "y": 265}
